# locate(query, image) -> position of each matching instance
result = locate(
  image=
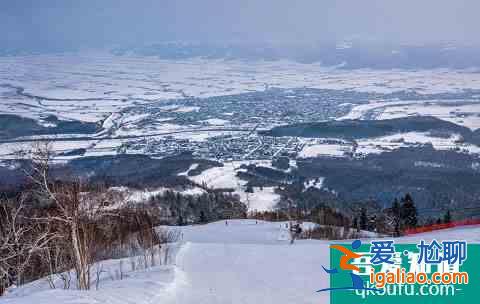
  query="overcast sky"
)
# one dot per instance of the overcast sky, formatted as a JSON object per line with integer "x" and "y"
{"x": 96, "y": 23}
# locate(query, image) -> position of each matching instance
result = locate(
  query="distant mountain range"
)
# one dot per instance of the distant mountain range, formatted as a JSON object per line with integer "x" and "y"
{"x": 345, "y": 54}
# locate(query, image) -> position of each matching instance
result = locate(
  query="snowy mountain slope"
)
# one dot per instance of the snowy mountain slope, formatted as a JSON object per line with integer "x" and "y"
{"x": 141, "y": 287}
{"x": 238, "y": 232}
{"x": 242, "y": 262}
{"x": 226, "y": 177}
{"x": 251, "y": 273}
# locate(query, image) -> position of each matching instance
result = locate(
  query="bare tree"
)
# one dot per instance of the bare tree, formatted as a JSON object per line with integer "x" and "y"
{"x": 19, "y": 242}
{"x": 58, "y": 263}
{"x": 75, "y": 227}
{"x": 70, "y": 209}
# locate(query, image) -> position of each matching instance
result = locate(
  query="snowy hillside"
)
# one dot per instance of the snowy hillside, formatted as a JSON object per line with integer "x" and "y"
{"x": 242, "y": 262}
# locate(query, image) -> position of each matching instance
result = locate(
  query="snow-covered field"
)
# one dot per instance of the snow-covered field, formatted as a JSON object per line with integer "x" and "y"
{"x": 395, "y": 141}
{"x": 242, "y": 262}
{"x": 326, "y": 147}
{"x": 97, "y": 86}
{"x": 90, "y": 86}
{"x": 459, "y": 112}
{"x": 315, "y": 148}
{"x": 261, "y": 199}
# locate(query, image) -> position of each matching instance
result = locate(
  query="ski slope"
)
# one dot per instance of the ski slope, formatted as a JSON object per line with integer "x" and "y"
{"x": 242, "y": 262}
{"x": 250, "y": 273}
{"x": 248, "y": 261}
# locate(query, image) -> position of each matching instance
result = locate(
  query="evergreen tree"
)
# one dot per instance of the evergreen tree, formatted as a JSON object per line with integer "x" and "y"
{"x": 372, "y": 223}
{"x": 393, "y": 218}
{"x": 408, "y": 212}
{"x": 180, "y": 220}
{"x": 203, "y": 219}
{"x": 447, "y": 218}
{"x": 381, "y": 223}
{"x": 363, "y": 219}
{"x": 355, "y": 224}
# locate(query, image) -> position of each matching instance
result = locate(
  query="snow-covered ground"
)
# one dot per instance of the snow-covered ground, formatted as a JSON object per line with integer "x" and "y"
{"x": 467, "y": 115}
{"x": 246, "y": 261}
{"x": 314, "y": 183}
{"x": 262, "y": 199}
{"x": 215, "y": 121}
{"x": 456, "y": 111}
{"x": 89, "y": 86}
{"x": 336, "y": 148}
{"x": 97, "y": 86}
{"x": 192, "y": 167}
{"x": 136, "y": 196}
{"x": 325, "y": 149}
{"x": 395, "y": 141}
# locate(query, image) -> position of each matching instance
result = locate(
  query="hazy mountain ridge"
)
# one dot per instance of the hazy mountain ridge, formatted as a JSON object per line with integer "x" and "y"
{"x": 345, "y": 54}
